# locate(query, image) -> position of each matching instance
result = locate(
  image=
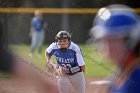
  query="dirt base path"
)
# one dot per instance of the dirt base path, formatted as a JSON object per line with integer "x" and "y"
{"x": 93, "y": 85}
{"x": 96, "y": 85}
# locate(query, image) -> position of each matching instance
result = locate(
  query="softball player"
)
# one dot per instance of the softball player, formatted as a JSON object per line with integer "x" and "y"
{"x": 37, "y": 32}
{"x": 117, "y": 28}
{"x": 71, "y": 63}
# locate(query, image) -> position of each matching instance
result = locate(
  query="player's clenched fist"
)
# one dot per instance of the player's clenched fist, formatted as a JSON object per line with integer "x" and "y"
{"x": 50, "y": 66}
{"x": 61, "y": 71}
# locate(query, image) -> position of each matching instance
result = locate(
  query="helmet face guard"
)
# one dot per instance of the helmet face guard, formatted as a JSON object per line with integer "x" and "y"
{"x": 63, "y": 35}
{"x": 117, "y": 20}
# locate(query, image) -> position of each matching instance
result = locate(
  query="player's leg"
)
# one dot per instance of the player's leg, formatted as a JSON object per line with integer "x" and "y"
{"x": 63, "y": 84}
{"x": 33, "y": 43}
{"x": 40, "y": 41}
{"x": 78, "y": 82}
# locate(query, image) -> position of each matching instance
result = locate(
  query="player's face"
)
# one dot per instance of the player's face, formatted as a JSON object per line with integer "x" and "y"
{"x": 113, "y": 48}
{"x": 63, "y": 43}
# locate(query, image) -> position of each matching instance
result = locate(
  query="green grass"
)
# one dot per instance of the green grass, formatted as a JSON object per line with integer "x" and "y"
{"x": 96, "y": 66}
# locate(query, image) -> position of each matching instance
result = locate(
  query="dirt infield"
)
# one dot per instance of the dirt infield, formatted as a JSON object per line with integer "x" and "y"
{"x": 9, "y": 85}
{"x": 96, "y": 85}
{"x": 17, "y": 86}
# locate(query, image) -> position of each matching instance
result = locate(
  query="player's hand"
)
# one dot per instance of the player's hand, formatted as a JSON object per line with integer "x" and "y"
{"x": 49, "y": 65}
{"x": 65, "y": 70}
{"x": 61, "y": 71}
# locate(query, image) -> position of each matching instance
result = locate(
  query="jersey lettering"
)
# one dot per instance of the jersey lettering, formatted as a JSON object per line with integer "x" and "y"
{"x": 62, "y": 60}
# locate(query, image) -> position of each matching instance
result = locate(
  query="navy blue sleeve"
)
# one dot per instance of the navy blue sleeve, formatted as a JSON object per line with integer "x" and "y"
{"x": 134, "y": 82}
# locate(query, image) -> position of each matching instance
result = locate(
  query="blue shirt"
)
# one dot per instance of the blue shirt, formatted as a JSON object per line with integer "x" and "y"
{"x": 132, "y": 84}
{"x": 37, "y": 24}
{"x": 72, "y": 58}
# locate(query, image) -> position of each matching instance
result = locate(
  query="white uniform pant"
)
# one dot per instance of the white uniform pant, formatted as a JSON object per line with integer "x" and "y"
{"x": 77, "y": 81}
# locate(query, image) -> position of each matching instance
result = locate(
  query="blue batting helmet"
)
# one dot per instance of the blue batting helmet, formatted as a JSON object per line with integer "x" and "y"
{"x": 117, "y": 20}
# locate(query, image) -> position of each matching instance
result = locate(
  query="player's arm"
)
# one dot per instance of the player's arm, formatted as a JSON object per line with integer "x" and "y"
{"x": 49, "y": 52}
{"x": 49, "y": 61}
{"x": 47, "y": 56}
{"x": 50, "y": 65}
{"x": 80, "y": 59}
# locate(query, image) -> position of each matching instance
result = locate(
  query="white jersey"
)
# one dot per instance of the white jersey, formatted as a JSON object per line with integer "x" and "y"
{"x": 72, "y": 58}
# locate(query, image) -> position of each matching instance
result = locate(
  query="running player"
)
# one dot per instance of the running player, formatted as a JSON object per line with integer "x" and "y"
{"x": 71, "y": 63}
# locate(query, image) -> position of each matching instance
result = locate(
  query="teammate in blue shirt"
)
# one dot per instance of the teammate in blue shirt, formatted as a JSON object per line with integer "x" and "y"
{"x": 71, "y": 63}
{"x": 117, "y": 29}
{"x": 37, "y": 33}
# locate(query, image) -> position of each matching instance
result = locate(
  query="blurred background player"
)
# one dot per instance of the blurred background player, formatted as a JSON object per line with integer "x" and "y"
{"x": 20, "y": 73}
{"x": 117, "y": 29}
{"x": 38, "y": 26}
{"x": 71, "y": 66}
